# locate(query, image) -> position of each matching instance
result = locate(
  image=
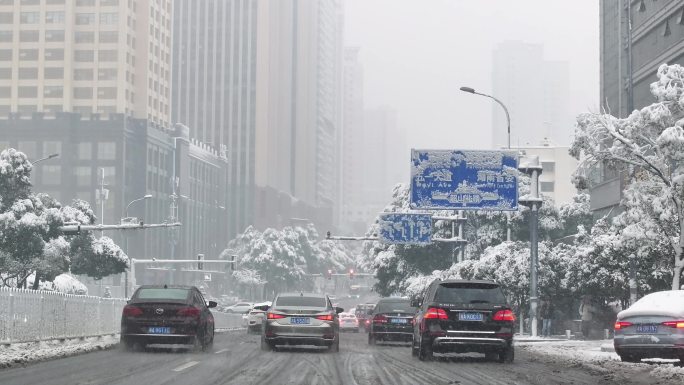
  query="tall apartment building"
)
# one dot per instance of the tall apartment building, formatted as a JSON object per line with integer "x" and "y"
{"x": 657, "y": 37}
{"x": 534, "y": 90}
{"x": 298, "y": 111}
{"x": 86, "y": 56}
{"x": 214, "y": 89}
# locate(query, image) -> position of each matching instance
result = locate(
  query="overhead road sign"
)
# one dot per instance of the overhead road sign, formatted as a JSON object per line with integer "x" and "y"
{"x": 464, "y": 180}
{"x": 405, "y": 228}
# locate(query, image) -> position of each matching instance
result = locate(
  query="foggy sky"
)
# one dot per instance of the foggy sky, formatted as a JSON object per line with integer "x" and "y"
{"x": 417, "y": 53}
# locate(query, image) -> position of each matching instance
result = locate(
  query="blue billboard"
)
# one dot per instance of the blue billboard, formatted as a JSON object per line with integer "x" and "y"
{"x": 405, "y": 228}
{"x": 464, "y": 180}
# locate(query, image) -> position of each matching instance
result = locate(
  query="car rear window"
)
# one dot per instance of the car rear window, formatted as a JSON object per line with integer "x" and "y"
{"x": 153, "y": 293}
{"x": 296, "y": 301}
{"x": 469, "y": 293}
{"x": 395, "y": 307}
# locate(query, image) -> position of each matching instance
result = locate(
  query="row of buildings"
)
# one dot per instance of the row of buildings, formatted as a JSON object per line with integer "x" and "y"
{"x": 228, "y": 112}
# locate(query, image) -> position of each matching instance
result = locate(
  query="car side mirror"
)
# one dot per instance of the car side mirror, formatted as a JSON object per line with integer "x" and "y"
{"x": 338, "y": 310}
{"x": 212, "y": 304}
{"x": 262, "y": 307}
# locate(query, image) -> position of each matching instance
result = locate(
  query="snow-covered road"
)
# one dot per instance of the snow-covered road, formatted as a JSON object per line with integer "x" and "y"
{"x": 236, "y": 359}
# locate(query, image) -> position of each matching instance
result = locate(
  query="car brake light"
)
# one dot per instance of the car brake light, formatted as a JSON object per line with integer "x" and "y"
{"x": 674, "y": 324}
{"x": 504, "y": 315}
{"x": 379, "y": 319}
{"x": 327, "y": 317}
{"x": 189, "y": 312}
{"x": 132, "y": 311}
{"x": 274, "y": 316}
{"x": 436, "y": 313}
{"x": 622, "y": 324}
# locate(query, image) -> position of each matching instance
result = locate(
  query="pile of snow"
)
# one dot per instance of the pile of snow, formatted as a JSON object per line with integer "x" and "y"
{"x": 22, "y": 354}
{"x": 669, "y": 302}
{"x": 63, "y": 283}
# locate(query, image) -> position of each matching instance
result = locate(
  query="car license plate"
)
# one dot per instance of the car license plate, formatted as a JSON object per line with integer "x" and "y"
{"x": 649, "y": 329}
{"x": 300, "y": 320}
{"x": 399, "y": 321}
{"x": 470, "y": 316}
{"x": 159, "y": 330}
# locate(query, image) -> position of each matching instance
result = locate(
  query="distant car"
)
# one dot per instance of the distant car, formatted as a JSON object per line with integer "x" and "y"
{"x": 392, "y": 320}
{"x": 362, "y": 313}
{"x": 349, "y": 322}
{"x": 652, "y": 328}
{"x": 301, "y": 319}
{"x": 255, "y": 317}
{"x": 461, "y": 316}
{"x": 240, "y": 308}
{"x": 167, "y": 315}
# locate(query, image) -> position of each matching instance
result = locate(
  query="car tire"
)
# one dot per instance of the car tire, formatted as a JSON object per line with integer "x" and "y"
{"x": 209, "y": 344}
{"x": 265, "y": 345}
{"x": 371, "y": 339}
{"x": 335, "y": 347}
{"x": 127, "y": 344}
{"x": 425, "y": 352}
{"x": 492, "y": 356}
{"x": 507, "y": 355}
{"x": 414, "y": 350}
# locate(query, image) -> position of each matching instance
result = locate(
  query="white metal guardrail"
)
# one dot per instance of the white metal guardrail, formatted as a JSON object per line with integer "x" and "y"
{"x": 31, "y": 315}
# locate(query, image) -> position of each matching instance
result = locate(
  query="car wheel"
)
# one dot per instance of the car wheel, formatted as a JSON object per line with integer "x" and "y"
{"x": 492, "y": 356}
{"x": 425, "y": 351}
{"x": 414, "y": 350}
{"x": 209, "y": 345}
{"x": 507, "y": 355}
{"x": 371, "y": 339}
{"x": 335, "y": 347}
{"x": 127, "y": 344}
{"x": 265, "y": 346}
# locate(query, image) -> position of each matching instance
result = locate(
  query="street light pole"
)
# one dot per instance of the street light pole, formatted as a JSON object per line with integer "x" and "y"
{"x": 46, "y": 158}
{"x": 148, "y": 196}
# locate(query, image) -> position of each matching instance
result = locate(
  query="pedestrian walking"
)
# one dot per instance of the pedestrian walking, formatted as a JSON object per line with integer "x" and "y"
{"x": 546, "y": 311}
{"x": 587, "y": 311}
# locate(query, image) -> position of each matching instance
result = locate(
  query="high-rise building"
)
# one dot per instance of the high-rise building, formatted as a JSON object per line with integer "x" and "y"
{"x": 534, "y": 90}
{"x": 657, "y": 37}
{"x": 86, "y": 56}
{"x": 298, "y": 110}
{"x": 214, "y": 89}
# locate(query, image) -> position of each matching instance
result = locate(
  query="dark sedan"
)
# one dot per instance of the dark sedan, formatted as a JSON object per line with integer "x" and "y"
{"x": 392, "y": 320}
{"x": 167, "y": 315}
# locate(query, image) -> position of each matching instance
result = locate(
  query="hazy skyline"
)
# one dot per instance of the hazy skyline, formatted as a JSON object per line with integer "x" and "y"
{"x": 416, "y": 55}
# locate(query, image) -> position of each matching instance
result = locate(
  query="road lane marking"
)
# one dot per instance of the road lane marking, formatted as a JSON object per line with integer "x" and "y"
{"x": 185, "y": 366}
{"x": 221, "y": 351}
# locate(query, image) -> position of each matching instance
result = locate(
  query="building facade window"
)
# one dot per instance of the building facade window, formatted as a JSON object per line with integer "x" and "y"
{"x": 109, "y": 18}
{"x": 29, "y": 36}
{"x": 109, "y": 36}
{"x": 83, "y": 74}
{"x": 85, "y": 151}
{"x": 106, "y": 150}
{"x": 28, "y": 73}
{"x": 85, "y": 18}
{"x": 5, "y": 92}
{"x": 5, "y": 73}
{"x": 51, "y": 147}
{"x": 5, "y": 36}
{"x": 107, "y": 55}
{"x": 54, "y": 36}
{"x": 84, "y": 37}
{"x": 54, "y": 54}
{"x": 54, "y": 73}
{"x": 52, "y": 174}
{"x": 84, "y": 55}
{"x": 106, "y": 74}
{"x": 53, "y": 91}
{"x": 106, "y": 92}
{"x": 548, "y": 166}
{"x": 27, "y": 91}
{"x": 29, "y": 17}
{"x": 54, "y": 17}
{"x": 28, "y": 54}
{"x": 547, "y": 186}
{"x": 83, "y": 93}
{"x": 85, "y": 3}
{"x": 6, "y": 18}
{"x": 83, "y": 176}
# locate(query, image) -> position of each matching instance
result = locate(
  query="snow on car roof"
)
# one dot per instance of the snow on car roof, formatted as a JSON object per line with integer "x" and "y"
{"x": 668, "y": 303}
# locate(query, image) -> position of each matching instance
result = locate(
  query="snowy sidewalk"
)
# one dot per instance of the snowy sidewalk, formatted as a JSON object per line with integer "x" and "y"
{"x": 599, "y": 355}
{"x": 23, "y": 353}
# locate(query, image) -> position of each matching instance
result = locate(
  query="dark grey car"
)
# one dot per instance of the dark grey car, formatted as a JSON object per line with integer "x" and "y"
{"x": 301, "y": 319}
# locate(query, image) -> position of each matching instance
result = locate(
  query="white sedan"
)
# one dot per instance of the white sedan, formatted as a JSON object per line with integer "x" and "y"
{"x": 255, "y": 317}
{"x": 239, "y": 308}
{"x": 349, "y": 322}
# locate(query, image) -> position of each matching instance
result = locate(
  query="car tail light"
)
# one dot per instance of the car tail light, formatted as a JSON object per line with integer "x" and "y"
{"x": 379, "y": 319}
{"x": 274, "y": 316}
{"x": 674, "y": 324}
{"x": 436, "y": 313}
{"x": 327, "y": 317}
{"x": 622, "y": 324}
{"x": 504, "y": 315}
{"x": 189, "y": 312}
{"x": 132, "y": 311}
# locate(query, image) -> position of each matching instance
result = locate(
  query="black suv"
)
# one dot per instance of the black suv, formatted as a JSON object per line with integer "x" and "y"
{"x": 392, "y": 320}
{"x": 462, "y": 316}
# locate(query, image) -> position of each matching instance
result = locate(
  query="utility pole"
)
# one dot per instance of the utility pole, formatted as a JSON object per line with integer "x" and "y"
{"x": 530, "y": 165}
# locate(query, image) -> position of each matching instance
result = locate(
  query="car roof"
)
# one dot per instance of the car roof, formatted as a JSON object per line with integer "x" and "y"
{"x": 393, "y": 299}
{"x": 188, "y": 287}
{"x": 301, "y": 294}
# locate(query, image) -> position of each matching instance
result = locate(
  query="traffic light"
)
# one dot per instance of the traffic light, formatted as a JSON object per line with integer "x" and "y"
{"x": 351, "y": 273}
{"x": 200, "y": 265}
{"x": 328, "y": 274}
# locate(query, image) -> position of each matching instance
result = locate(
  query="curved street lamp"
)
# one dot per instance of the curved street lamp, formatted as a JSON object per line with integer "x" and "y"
{"x": 508, "y": 117}
{"x": 46, "y": 158}
{"x": 148, "y": 196}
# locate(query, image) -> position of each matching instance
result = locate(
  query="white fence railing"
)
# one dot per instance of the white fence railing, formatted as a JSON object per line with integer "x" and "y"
{"x": 30, "y": 315}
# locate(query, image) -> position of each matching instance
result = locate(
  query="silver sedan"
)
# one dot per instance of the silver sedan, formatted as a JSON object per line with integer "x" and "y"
{"x": 652, "y": 328}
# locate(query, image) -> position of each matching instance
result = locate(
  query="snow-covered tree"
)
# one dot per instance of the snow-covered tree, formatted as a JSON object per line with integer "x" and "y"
{"x": 649, "y": 143}
{"x": 30, "y": 239}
